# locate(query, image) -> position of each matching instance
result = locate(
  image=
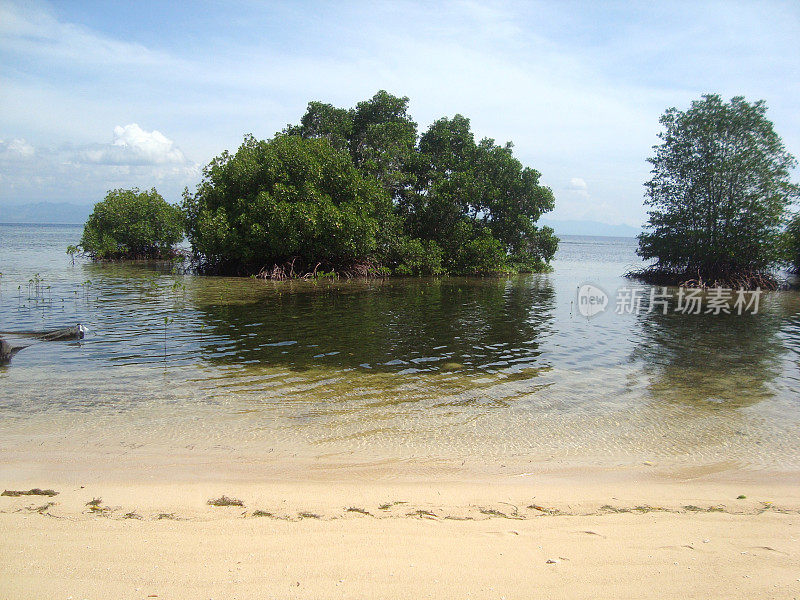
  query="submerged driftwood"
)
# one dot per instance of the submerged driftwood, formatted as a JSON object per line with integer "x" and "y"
{"x": 76, "y": 332}
{"x": 7, "y": 351}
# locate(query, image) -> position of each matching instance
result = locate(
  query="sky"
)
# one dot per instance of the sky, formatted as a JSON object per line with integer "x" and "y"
{"x": 101, "y": 95}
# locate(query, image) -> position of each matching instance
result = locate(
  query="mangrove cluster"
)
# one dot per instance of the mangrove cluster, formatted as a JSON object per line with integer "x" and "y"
{"x": 360, "y": 191}
{"x": 353, "y": 191}
{"x": 720, "y": 198}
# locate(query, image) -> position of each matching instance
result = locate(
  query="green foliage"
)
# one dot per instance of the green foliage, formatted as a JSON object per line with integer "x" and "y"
{"x": 71, "y": 251}
{"x": 793, "y": 243}
{"x": 412, "y": 256}
{"x": 477, "y": 200}
{"x": 719, "y": 193}
{"x": 378, "y": 133}
{"x": 356, "y": 189}
{"x": 132, "y": 224}
{"x": 472, "y": 206}
{"x": 284, "y": 199}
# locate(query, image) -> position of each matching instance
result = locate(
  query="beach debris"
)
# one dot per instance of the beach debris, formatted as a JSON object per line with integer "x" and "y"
{"x": 552, "y": 561}
{"x": 41, "y": 509}
{"x": 544, "y": 510}
{"x": 589, "y": 532}
{"x": 388, "y": 505}
{"x": 168, "y": 516}
{"x": 771, "y": 549}
{"x": 225, "y": 501}
{"x": 132, "y": 515}
{"x": 361, "y": 511}
{"x": 423, "y": 514}
{"x": 31, "y": 492}
{"x": 498, "y": 513}
{"x": 309, "y": 515}
{"x": 262, "y": 513}
{"x": 741, "y": 497}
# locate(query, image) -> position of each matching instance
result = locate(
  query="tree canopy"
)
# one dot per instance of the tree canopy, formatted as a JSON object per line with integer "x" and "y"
{"x": 719, "y": 194}
{"x": 289, "y": 198}
{"x": 793, "y": 244}
{"x": 461, "y": 206}
{"x": 130, "y": 223}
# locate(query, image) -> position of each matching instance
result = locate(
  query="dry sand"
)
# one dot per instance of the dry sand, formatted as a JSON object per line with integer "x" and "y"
{"x": 582, "y": 534}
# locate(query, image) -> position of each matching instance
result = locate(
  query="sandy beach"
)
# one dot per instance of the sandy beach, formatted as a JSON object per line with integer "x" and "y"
{"x": 648, "y": 532}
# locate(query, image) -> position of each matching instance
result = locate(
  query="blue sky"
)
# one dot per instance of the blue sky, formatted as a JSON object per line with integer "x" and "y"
{"x": 98, "y": 95}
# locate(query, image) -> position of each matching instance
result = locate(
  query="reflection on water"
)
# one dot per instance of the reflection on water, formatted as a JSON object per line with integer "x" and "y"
{"x": 731, "y": 359}
{"x": 402, "y": 326}
{"x": 491, "y": 368}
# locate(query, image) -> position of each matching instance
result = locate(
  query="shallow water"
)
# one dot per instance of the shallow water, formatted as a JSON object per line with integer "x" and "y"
{"x": 404, "y": 369}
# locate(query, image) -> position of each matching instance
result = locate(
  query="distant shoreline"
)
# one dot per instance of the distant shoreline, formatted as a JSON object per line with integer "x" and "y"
{"x": 77, "y": 225}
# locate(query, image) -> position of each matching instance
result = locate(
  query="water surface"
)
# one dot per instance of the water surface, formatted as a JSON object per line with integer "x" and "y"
{"x": 501, "y": 370}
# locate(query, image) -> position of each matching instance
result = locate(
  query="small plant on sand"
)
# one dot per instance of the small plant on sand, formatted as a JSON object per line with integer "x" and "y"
{"x": 225, "y": 501}
{"x": 95, "y": 507}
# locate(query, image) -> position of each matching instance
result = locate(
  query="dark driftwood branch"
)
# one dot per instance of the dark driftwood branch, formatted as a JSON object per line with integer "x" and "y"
{"x": 7, "y": 351}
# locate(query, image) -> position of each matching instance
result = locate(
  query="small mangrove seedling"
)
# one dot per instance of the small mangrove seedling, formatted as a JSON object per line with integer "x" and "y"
{"x": 34, "y": 285}
{"x": 71, "y": 252}
{"x": 167, "y": 321}
{"x": 178, "y": 288}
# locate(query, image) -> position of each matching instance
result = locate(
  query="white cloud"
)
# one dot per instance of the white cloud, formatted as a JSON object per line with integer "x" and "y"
{"x": 132, "y": 145}
{"x": 16, "y": 149}
{"x": 134, "y": 158}
{"x": 577, "y": 184}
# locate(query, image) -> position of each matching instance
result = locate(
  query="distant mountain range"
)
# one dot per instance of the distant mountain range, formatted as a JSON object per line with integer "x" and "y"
{"x": 66, "y": 213}
{"x": 591, "y": 228}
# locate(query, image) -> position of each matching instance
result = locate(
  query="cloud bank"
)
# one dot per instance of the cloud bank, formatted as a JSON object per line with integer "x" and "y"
{"x": 578, "y": 87}
{"x": 134, "y": 157}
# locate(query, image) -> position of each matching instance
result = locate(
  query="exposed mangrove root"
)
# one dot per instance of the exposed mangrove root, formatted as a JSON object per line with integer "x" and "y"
{"x": 295, "y": 269}
{"x": 717, "y": 278}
